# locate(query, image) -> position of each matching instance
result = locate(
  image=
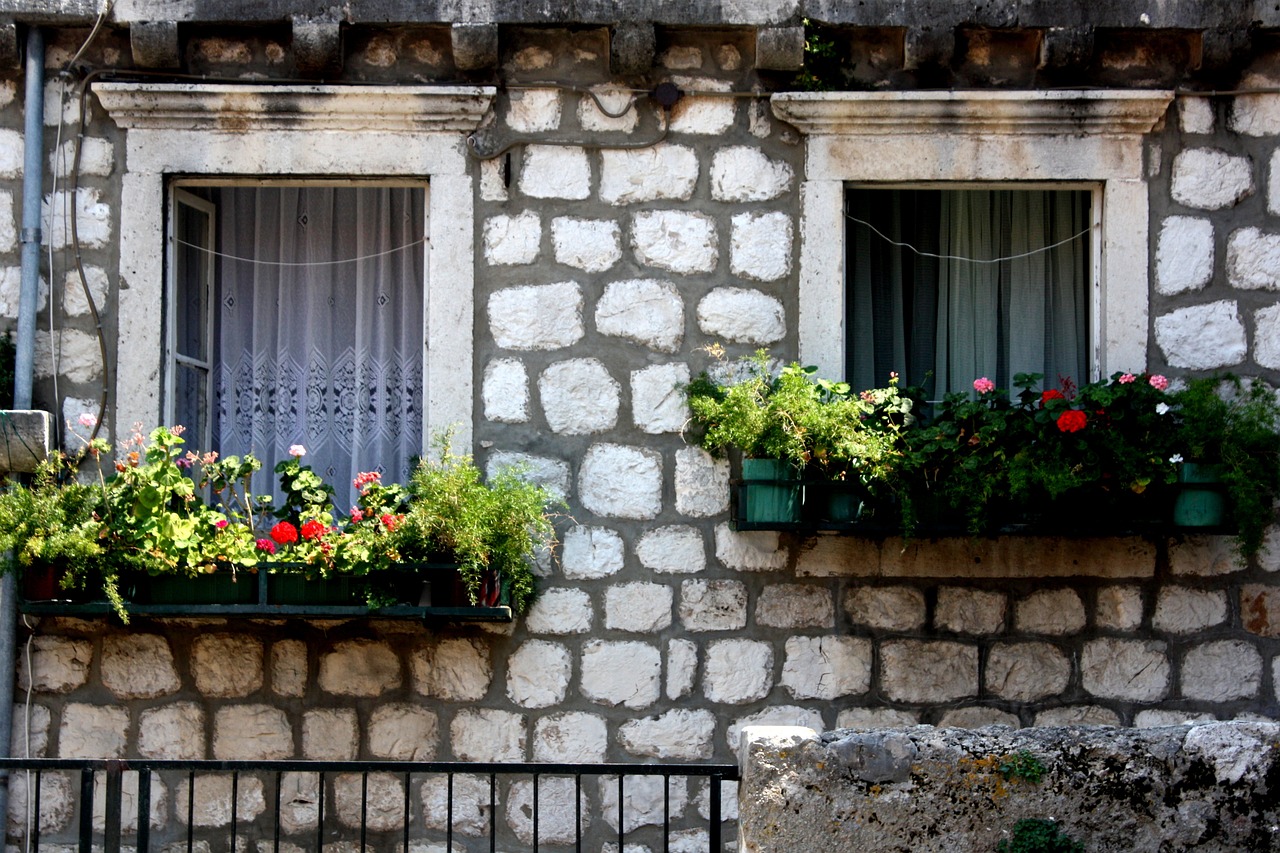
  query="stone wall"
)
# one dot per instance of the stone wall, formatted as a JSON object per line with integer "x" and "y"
{"x": 1205, "y": 787}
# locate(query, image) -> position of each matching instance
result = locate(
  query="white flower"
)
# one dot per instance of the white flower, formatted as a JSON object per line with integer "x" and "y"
{"x": 1162, "y": 408}
{"x": 297, "y": 450}
{"x": 1175, "y": 458}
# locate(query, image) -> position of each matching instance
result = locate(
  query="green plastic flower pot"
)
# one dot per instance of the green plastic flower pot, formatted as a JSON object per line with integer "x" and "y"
{"x": 771, "y": 492}
{"x": 1201, "y": 501}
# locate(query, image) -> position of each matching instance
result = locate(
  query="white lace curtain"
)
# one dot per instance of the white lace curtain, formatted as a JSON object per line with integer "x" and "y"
{"x": 313, "y": 350}
{"x": 959, "y": 320}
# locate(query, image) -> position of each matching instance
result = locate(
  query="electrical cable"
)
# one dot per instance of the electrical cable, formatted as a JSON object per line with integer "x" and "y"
{"x": 259, "y": 262}
{"x": 962, "y": 258}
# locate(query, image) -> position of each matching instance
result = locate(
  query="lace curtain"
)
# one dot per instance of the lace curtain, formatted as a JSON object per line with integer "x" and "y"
{"x": 958, "y": 320}
{"x": 313, "y": 350}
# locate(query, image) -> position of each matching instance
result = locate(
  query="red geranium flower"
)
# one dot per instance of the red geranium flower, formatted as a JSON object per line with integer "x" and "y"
{"x": 312, "y": 529}
{"x": 284, "y": 533}
{"x": 1072, "y": 420}
{"x": 1051, "y": 394}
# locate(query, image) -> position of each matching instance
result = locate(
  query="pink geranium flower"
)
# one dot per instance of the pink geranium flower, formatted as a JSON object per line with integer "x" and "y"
{"x": 1159, "y": 382}
{"x": 984, "y": 385}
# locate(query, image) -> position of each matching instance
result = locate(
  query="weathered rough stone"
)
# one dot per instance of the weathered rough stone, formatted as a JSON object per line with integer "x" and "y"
{"x": 621, "y": 673}
{"x": 826, "y": 667}
{"x": 713, "y": 605}
{"x": 558, "y": 814}
{"x": 560, "y": 611}
{"x": 541, "y": 317}
{"x": 506, "y": 391}
{"x": 493, "y": 180}
{"x": 1055, "y": 611}
{"x": 457, "y": 669}
{"x": 93, "y": 222}
{"x": 675, "y": 549}
{"x": 648, "y": 312}
{"x": 780, "y": 48}
{"x": 795, "y": 606}
{"x": 227, "y": 665}
{"x": 920, "y": 671}
{"x": 289, "y": 668}
{"x": 375, "y": 800}
{"x": 1078, "y": 715}
{"x": 79, "y": 356}
{"x": 534, "y": 110}
{"x": 538, "y": 674}
{"x": 728, "y": 57}
{"x": 403, "y": 732}
{"x": 682, "y": 667}
{"x": 1260, "y": 609}
{"x": 29, "y": 737}
{"x": 571, "y": 737}
{"x": 1135, "y": 670}
{"x": 740, "y": 173}
{"x": 1255, "y": 115}
{"x": 875, "y": 718}
{"x": 8, "y": 227}
{"x": 621, "y": 482}
{"x": 359, "y": 668}
{"x": 470, "y": 799}
{"x": 251, "y": 732}
{"x": 1210, "y": 179}
{"x": 646, "y": 799}
{"x": 73, "y": 301}
{"x": 579, "y": 397}
{"x": 755, "y": 551}
{"x": 551, "y": 473}
{"x": 682, "y": 58}
{"x": 11, "y": 289}
{"x": 138, "y": 666}
{"x": 760, "y": 245}
{"x": 1181, "y": 610}
{"x": 617, "y": 101}
{"x": 969, "y": 611}
{"x": 657, "y": 403}
{"x": 592, "y": 245}
{"x": 1195, "y": 115}
{"x": 487, "y": 734}
{"x": 1266, "y": 337}
{"x": 977, "y": 717}
{"x": 888, "y": 608}
{"x": 701, "y": 483}
{"x": 1202, "y": 337}
{"x": 1203, "y": 555}
{"x": 592, "y": 552}
{"x": 475, "y": 45}
{"x": 11, "y": 152}
{"x": 1026, "y": 672}
{"x": 93, "y": 731}
{"x": 707, "y": 115}
{"x": 57, "y": 804}
{"x": 643, "y": 608}
{"x": 778, "y": 715}
{"x": 742, "y": 315}
{"x": 552, "y": 171}
{"x": 681, "y": 242}
{"x": 1184, "y": 254}
{"x": 97, "y": 157}
{"x": 158, "y": 801}
{"x": 1253, "y": 260}
{"x": 1154, "y": 718}
{"x": 174, "y": 731}
{"x": 677, "y": 734}
{"x": 330, "y": 734}
{"x": 737, "y": 671}
{"x": 57, "y": 664}
{"x": 662, "y": 171}
{"x": 1222, "y": 671}
{"x": 1119, "y": 608}
{"x": 631, "y": 47}
{"x": 512, "y": 240}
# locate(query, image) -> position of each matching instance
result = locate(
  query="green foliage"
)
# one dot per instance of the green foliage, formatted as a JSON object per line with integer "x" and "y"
{"x": 822, "y": 69}
{"x": 1022, "y": 766}
{"x": 1037, "y": 835}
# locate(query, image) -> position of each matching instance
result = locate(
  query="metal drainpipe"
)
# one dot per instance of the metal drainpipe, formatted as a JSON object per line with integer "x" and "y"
{"x": 24, "y": 362}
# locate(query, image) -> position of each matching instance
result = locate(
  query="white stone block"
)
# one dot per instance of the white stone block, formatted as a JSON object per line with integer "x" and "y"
{"x": 552, "y": 171}
{"x": 534, "y": 110}
{"x": 375, "y": 801}
{"x": 977, "y": 717}
{"x": 512, "y": 240}
{"x": 403, "y": 732}
{"x": 579, "y": 397}
{"x": 174, "y": 731}
{"x": 78, "y": 355}
{"x": 1273, "y": 183}
{"x": 571, "y": 737}
{"x": 741, "y": 173}
{"x": 1202, "y": 337}
{"x": 621, "y": 673}
{"x": 493, "y": 180}
{"x": 592, "y": 245}
{"x": 158, "y": 802}
{"x": 1203, "y": 556}
{"x": 708, "y": 115}
{"x": 299, "y": 802}
{"x": 57, "y": 804}
{"x": 1184, "y": 254}
{"x": 1266, "y": 347}
{"x": 93, "y": 219}
{"x": 1158, "y": 718}
{"x": 330, "y": 734}
{"x": 875, "y": 718}
{"x": 289, "y": 668}
{"x": 359, "y": 668}
{"x": 11, "y": 154}
{"x": 73, "y": 301}
{"x": 678, "y": 241}
{"x": 648, "y": 312}
{"x": 506, "y": 391}
{"x": 57, "y": 664}
{"x": 675, "y": 549}
{"x": 93, "y": 731}
{"x": 1119, "y": 608}
{"x": 1025, "y": 672}
{"x": 11, "y": 290}
{"x": 682, "y": 667}
{"x": 560, "y": 611}
{"x": 1133, "y": 670}
{"x": 538, "y": 674}
{"x": 251, "y": 732}
{"x": 737, "y": 671}
{"x": 212, "y": 798}
{"x": 557, "y": 811}
{"x": 488, "y": 734}
{"x": 470, "y": 804}
{"x": 620, "y": 104}
{"x": 754, "y": 551}
{"x": 621, "y": 482}
{"x": 1050, "y": 611}
{"x": 702, "y": 483}
{"x": 657, "y": 399}
{"x": 638, "y": 607}
{"x": 1222, "y": 671}
{"x": 60, "y": 105}
{"x": 536, "y": 317}
{"x": 1210, "y": 179}
{"x": 887, "y": 608}
{"x": 8, "y": 223}
{"x": 826, "y": 667}
{"x": 680, "y": 734}
{"x": 457, "y": 669}
{"x": 928, "y": 671}
{"x": 778, "y": 715}
{"x": 760, "y": 245}
{"x": 1078, "y": 715}
{"x": 592, "y": 552}
{"x": 97, "y": 157}
{"x": 227, "y": 665}
{"x": 29, "y": 737}
{"x": 742, "y": 315}
{"x": 969, "y": 611}
{"x": 138, "y": 666}
{"x": 645, "y": 800}
{"x": 662, "y": 171}
{"x": 1195, "y": 115}
{"x": 543, "y": 470}
{"x": 1253, "y": 260}
{"x": 713, "y": 605}
{"x": 1255, "y": 115}
{"x": 1183, "y": 610}
{"x": 789, "y": 605}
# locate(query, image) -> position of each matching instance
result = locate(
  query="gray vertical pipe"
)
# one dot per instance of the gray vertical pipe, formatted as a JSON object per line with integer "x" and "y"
{"x": 24, "y": 363}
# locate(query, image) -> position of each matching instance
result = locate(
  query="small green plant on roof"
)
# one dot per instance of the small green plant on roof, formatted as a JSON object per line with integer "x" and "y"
{"x": 1022, "y": 766}
{"x": 1037, "y": 835}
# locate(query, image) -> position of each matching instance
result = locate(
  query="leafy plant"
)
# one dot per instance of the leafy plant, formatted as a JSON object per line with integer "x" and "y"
{"x": 1022, "y": 766}
{"x": 1037, "y": 835}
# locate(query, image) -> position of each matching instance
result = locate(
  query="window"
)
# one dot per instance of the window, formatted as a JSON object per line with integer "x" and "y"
{"x": 928, "y": 298}
{"x": 296, "y": 317}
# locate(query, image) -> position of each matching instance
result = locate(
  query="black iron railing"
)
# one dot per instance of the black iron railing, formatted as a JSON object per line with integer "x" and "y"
{"x": 194, "y": 812}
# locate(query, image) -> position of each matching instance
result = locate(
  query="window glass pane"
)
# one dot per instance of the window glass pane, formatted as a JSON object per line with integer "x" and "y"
{"x": 945, "y": 286}
{"x": 191, "y": 403}
{"x": 191, "y": 261}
